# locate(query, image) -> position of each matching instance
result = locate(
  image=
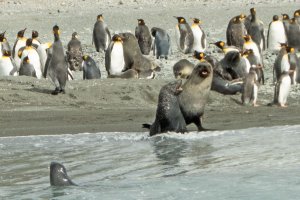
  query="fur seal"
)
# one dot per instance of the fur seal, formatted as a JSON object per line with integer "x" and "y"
{"x": 134, "y": 59}
{"x": 57, "y": 68}
{"x": 90, "y": 68}
{"x": 143, "y": 36}
{"x": 168, "y": 114}
{"x": 184, "y": 36}
{"x": 130, "y": 73}
{"x": 195, "y": 93}
{"x": 101, "y": 34}
{"x": 74, "y": 53}
{"x": 183, "y": 69}
{"x": 59, "y": 176}
{"x": 250, "y": 88}
{"x": 161, "y": 44}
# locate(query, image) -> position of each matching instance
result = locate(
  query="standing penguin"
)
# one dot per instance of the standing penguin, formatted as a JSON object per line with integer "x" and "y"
{"x": 7, "y": 65}
{"x": 282, "y": 89}
{"x": 57, "y": 68}
{"x": 27, "y": 69}
{"x": 90, "y": 68}
{"x": 235, "y": 32}
{"x": 276, "y": 34}
{"x": 199, "y": 36}
{"x": 35, "y": 39}
{"x": 184, "y": 36}
{"x": 101, "y": 34}
{"x": 250, "y": 44}
{"x": 143, "y": 36}
{"x": 162, "y": 43}
{"x": 114, "y": 56}
{"x": 255, "y": 64}
{"x": 33, "y": 56}
{"x": 293, "y": 34}
{"x": 255, "y": 28}
{"x": 19, "y": 43}
{"x": 294, "y": 64}
{"x": 4, "y": 45}
{"x": 250, "y": 88}
{"x": 74, "y": 53}
{"x": 297, "y": 16}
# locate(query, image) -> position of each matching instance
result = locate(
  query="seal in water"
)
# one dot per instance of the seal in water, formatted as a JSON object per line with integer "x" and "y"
{"x": 59, "y": 176}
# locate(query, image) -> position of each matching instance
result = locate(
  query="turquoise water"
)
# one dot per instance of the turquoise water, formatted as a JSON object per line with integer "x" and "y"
{"x": 256, "y": 163}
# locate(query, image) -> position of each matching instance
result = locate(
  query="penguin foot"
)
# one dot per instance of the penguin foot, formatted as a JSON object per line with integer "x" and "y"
{"x": 55, "y": 92}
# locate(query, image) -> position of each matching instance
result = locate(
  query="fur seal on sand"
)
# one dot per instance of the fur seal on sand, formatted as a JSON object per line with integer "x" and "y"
{"x": 59, "y": 176}
{"x": 182, "y": 69}
{"x": 195, "y": 93}
{"x": 168, "y": 114}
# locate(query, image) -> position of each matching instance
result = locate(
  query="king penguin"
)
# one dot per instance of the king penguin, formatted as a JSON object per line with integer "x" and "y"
{"x": 281, "y": 63}
{"x": 114, "y": 56}
{"x": 199, "y": 36}
{"x": 19, "y": 43}
{"x": 161, "y": 44}
{"x": 143, "y": 36}
{"x": 250, "y": 88}
{"x": 27, "y": 69}
{"x": 4, "y": 45}
{"x": 57, "y": 68}
{"x": 293, "y": 34}
{"x": 235, "y": 32}
{"x": 282, "y": 89}
{"x": 225, "y": 48}
{"x": 286, "y": 21}
{"x": 250, "y": 44}
{"x": 184, "y": 36}
{"x": 35, "y": 39}
{"x": 33, "y": 56}
{"x": 255, "y": 28}
{"x": 74, "y": 53}
{"x": 90, "y": 68}
{"x": 101, "y": 34}
{"x": 276, "y": 34}
{"x": 7, "y": 65}
{"x": 297, "y": 16}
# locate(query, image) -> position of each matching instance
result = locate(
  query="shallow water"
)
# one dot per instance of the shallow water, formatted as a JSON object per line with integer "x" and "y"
{"x": 256, "y": 163}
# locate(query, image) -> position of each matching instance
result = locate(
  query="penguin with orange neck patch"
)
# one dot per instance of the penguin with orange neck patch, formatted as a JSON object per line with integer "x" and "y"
{"x": 199, "y": 36}
{"x": 276, "y": 34}
{"x": 184, "y": 36}
{"x": 7, "y": 65}
{"x": 143, "y": 36}
{"x": 19, "y": 43}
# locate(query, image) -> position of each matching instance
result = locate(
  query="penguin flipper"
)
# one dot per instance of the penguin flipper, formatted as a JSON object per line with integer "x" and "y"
{"x": 15, "y": 68}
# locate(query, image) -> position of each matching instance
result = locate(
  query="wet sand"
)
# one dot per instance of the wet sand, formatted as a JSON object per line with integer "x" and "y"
{"x": 117, "y": 105}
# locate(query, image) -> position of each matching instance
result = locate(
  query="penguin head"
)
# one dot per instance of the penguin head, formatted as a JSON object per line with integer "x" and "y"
{"x": 220, "y": 44}
{"x": 26, "y": 60}
{"x": 74, "y": 35}
{"x": 2, "y": 37}
{"x": 283, "y": 45}
{"x": 297, "y": 13}
{"x": 237, "y": 19}
{"x": 290, "y": 49}
{"x": 196, "y": 21}
{"x": 85, "y": 57}
{"x": 181, "y": 20}
{"x": 293, "y": 20}
{"x": 141, "y": 22}
{"x": 199, "y": 55}
{"x": 29, "y": 42}
{"x": 242, "y": 16}
{"x": 7, "y": 53}
{"x": 153, "y": 31}
{"x": 117, "y": 38}
{"x": 275, "y": 18}
{"x": 21, "y": 33}
{"x": 34, "y": 34}
{"x": 252, "y": 11}
{"x": 247, "y": 38}
{"x": 56, "y": 30}
{"x": 285, "y": 16}
{"x": 100, "y": 18}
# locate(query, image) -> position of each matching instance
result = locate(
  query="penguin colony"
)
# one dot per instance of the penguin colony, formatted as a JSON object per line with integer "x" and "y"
{"x": 125, "y": 54}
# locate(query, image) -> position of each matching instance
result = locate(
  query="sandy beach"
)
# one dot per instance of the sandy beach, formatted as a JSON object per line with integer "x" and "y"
{"x": 119, "y": 105}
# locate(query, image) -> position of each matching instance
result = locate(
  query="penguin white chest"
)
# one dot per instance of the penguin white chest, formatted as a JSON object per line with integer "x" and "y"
{"x": 198, "y": 34}
{"x": 34, "y": 60}
{"x": 276, "y": 35}
{"x": 20, "y": 44}
{"x": 117, "y": 61}
{"x": 284, "y": 89}
{"x": 6, "y": 66}
{"x": 285, "y": 64}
